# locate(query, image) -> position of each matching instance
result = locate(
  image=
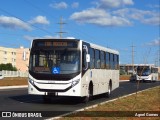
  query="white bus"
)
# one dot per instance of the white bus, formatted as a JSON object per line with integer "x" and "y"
{"x": 146, "y": 73}
{"x": 71, "y": 67}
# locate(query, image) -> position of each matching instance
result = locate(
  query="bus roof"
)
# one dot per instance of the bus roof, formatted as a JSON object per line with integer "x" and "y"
{"x": 104, "y": 48}
{"x": 91, "y": 44}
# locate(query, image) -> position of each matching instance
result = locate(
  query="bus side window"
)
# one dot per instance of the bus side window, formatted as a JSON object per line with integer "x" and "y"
{"x": 107, "y": 61}
{"x": 84, "y": 59}
{"x": 111, "y": 61}
{"x": 92, "y": 58}
{"x": 97, "y": 59}
{"x": 115, "y": 62}
{"x": 102, "y": 59}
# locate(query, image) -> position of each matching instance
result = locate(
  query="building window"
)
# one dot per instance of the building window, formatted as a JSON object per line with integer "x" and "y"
{"x": 13, "y": 60}
{"x": 5, "y": 59}
{"x": 5, "y": 52}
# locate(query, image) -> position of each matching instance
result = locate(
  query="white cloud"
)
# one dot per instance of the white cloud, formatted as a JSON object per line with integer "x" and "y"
{"x": 88, "y": 14}
{"x": 39, "y": 20}
{"x": 155, "y": 42}
{"x": 103, "y": 15}
{"x": 144, "y": 16}
{"x": 13, "y": 23}
{"x": 75, "y": 5}
{"x": 106, "y": 4}
{"x": 153, "y": 6}
{"x": 60, "y": 5}
{"x": 99, "y": 17}
{"x": 152, "y": 21}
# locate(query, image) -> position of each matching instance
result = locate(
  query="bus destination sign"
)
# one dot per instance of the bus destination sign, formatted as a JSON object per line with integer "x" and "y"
{"x": 60, "y": 44}
{"x": 55, "y": 44}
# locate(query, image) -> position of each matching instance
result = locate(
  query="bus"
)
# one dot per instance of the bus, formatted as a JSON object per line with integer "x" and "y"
{"x": 71, "y": 67}
{"x": 147, "y": 73}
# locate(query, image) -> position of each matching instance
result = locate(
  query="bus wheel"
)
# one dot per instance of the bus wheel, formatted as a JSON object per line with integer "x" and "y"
{"x": 89, "y": 95}
{"x": 108, "y": 94}
{"x": 151, "y": 80}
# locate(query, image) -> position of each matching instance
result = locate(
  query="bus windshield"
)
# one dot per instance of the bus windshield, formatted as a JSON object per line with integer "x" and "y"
{"x": 143, "y": 71}
{"x": 62, "y": 61}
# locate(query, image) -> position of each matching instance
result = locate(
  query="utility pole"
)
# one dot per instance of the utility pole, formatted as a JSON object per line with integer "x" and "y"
{"x": 159, "y": 53}
{"x": 61, "y": 23}
{"x": 132, "y": 57}
{"x": 156, "y": 63}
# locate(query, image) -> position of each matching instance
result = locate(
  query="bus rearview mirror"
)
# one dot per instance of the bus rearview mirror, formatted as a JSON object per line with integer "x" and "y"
{"x": 87, "y": 57}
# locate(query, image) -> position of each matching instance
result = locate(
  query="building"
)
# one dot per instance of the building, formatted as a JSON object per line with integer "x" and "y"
{"x": 18, "y": 57}
{"x": 22, "y": 58}
{"x": 8, "y": 55}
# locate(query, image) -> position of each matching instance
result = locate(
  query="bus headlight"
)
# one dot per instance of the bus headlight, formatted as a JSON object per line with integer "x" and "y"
{"x": 31, "y": 81}
{"x": 75, "y": 82}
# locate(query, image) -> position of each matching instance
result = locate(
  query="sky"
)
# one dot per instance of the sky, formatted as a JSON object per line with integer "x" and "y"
{"x": 118, "y": 24}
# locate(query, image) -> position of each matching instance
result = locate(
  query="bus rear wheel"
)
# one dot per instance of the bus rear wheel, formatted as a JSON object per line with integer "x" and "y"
{"x": 108, "y": 94}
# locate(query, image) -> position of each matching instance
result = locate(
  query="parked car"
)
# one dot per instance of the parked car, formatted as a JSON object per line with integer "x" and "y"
{"x": 133, "y": 77}
{"x": 1, "y": 77}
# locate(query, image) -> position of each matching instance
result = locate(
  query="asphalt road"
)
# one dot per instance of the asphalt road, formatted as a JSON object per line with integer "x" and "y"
{"x": 18, "y": 99}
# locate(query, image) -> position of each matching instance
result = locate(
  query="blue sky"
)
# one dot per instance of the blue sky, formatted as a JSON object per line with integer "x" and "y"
{"x": 117, "y": 24}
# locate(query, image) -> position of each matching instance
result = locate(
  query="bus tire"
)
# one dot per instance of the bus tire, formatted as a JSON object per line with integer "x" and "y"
{"x": 108, "y": 94}
{"x": 89, "y": 94}
{"x": 151, "y": 80}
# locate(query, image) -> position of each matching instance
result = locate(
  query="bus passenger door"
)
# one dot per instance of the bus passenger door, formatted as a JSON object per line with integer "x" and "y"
{"x": 85, "y": 58}
{"x": 85, "y": 69}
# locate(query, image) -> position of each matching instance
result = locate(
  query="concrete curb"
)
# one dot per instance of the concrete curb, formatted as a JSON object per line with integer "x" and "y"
{"x": 13, "y": 87}
{"x": 124, "y": 80}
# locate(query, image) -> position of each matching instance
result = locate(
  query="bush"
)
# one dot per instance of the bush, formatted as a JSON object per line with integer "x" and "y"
{"x": 122, "y": 72}
{"x": 7, "y": 66}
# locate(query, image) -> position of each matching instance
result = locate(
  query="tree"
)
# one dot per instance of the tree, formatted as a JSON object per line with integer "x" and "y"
{"x": 7, "y": 66}
{"x": 122, "y": 72}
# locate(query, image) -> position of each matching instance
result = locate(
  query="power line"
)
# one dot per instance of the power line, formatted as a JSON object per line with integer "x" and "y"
{"x": 80, "y": 33}
{"x": 76, "y": 30}
{"x": 159, "y": 53}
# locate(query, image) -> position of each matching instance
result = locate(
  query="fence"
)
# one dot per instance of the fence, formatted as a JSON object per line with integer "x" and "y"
{"x": 6, "y": 73}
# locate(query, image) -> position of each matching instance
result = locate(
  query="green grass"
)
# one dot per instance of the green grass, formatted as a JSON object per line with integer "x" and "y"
{"x": 124, "y": 108}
